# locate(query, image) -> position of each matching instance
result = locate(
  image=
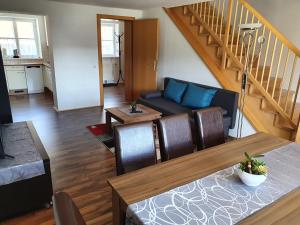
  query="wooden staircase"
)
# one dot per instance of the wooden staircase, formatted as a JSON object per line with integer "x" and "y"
{"x": 212, "y": 29}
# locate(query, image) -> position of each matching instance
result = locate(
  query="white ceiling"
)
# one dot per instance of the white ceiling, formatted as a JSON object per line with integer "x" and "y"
{"x": 132, "y": 4}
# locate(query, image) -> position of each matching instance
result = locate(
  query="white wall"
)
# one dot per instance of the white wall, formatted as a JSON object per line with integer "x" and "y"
{"x": 178, "y": 59}
{"x": 283, "y": 14}
{"x": 73, "y": 38}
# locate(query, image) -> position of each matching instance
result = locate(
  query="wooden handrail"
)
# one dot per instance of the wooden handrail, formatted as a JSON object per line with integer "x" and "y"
{"x": 265, "y": 22}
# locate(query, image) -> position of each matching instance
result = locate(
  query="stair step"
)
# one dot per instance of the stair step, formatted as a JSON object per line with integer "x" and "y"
{"x": 186, "y": 11}
{"x": 267, "y": 107}
{"x": 234, "y": 49}
{"x": 272, "y": 85}
{"x": 212, "y": 42}
{"x": 242, "y": 58}
{"x": 282, "y": 123}
{"x": 235, "y": 66}
{"x": 206, "y": 11}
{"x": 214, "y": 19}
{"x": 202, "y": 30}
{"x": 235, "y": 38}
{"x": 261, "y": 72}
{"x": 232, "y": 65}
{"x": 194, "y": 21}
{"x": 219, "y": 29}
{"x": 205, "y": 34}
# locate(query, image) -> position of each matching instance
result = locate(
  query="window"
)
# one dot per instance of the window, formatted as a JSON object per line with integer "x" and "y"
{"x": 110, "y": 45}
{"x": 21, "y": 34}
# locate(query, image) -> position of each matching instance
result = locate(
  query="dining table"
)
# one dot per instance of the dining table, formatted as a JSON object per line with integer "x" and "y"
{"x": 132, "y": 192}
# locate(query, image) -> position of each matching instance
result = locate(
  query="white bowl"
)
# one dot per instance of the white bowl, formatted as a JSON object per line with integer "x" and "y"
{"x": 251, "y": 180}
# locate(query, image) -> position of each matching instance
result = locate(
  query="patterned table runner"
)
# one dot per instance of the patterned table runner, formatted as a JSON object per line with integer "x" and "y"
{"x": 28, "y": 163}
{"x": 221, "y": 198}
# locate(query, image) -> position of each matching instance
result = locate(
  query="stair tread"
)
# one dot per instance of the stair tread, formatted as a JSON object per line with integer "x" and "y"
{"x": 269, "y": 108}
{"x": 283, "y": 124}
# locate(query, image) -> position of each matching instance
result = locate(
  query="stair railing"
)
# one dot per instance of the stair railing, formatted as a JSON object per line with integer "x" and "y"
{"x": 275, "y": 71}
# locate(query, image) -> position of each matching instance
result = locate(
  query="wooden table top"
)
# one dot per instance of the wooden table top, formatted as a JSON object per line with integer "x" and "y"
{"x": 126, "y": 118}
{"x": 151, "y": 181}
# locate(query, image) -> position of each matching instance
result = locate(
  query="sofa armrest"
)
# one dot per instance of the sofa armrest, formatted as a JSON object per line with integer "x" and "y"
{"x": 227, "y": 100}
{"x": 152, "y": 94}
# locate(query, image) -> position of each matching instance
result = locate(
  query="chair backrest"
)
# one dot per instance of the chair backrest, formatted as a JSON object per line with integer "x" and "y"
{"x": 134, "y": 147}
{"x": 210, "y": 127}
{"x": 175, "y": 136}
{"x": 65, "y": 211}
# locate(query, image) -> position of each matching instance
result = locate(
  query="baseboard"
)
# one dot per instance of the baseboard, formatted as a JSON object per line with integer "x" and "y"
{"x": 69, "y": 110}
{"x": 110, "y": 85}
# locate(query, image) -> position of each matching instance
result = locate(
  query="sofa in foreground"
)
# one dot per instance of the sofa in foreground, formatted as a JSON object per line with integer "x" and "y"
{"x": 184, "y": 97}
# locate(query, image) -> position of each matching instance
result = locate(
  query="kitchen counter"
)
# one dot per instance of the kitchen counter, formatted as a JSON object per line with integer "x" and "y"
{"x": 25, "y": 62}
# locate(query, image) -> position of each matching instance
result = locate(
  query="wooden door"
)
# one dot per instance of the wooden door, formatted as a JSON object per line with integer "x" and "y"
{"x": 145, "y": 55}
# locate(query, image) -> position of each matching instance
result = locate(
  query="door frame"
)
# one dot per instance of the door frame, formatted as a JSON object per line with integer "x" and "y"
{"x": 128, "y": 56}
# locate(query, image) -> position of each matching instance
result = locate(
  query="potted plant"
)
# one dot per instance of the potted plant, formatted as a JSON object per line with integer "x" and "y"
{"x": 252, "y": 171}
{"x": 133, "y": 107}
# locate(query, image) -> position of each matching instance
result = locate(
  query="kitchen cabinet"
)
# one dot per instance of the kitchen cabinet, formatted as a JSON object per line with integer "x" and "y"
{"x": 16, "y": 79}
{"x": 25, "y": 79}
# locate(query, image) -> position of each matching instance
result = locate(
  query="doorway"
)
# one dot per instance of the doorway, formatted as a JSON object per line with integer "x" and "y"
{"x": 138, "y": 41}
{"x": 112, "y": 40}
{"x": 114, "y": 54}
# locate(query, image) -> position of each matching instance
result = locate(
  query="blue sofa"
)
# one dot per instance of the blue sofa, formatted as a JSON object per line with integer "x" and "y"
{"x": 227, "y": 100}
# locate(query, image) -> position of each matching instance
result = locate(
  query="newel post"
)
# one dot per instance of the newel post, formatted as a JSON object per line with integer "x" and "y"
{"x": 227, "y": 31}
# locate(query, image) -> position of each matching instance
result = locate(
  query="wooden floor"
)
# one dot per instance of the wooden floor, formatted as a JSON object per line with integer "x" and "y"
{"x": 114, "y": 96}
{"x": 80, "y": 164}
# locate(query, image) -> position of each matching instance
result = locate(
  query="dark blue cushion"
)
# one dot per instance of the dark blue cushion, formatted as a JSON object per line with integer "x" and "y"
{"x": 198, "y": 97}
{"x": 175, "y": 91}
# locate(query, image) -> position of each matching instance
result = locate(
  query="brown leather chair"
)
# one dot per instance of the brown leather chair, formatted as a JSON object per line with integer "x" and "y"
{"x": 210, "y": 127}
{"x": 65, "y": 211}
{"x": 134, "y": 146}
{"x": 175, "y": 136}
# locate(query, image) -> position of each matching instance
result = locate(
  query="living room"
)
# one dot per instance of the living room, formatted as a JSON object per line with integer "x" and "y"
{"x": 81, "y": 142}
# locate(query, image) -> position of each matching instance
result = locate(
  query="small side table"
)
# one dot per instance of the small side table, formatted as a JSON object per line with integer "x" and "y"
{"x": 123, "y": 115}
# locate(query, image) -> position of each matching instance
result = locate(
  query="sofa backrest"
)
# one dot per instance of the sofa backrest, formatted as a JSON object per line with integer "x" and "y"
{"x": 225, "y": 99}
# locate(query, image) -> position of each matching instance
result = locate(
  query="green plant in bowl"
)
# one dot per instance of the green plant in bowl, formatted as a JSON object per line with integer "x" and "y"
{"x": 253, "y": 165}
{"x": 253, "y": 171}
{"x": 133, "y": 106}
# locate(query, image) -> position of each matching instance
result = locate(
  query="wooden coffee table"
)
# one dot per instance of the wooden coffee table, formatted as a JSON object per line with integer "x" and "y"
{"x": 123, "y": 115}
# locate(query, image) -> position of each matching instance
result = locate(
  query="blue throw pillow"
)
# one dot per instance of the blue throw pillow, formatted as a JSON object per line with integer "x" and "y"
{"x": 197, "y": 97}
{"x": 175, "y": 90}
